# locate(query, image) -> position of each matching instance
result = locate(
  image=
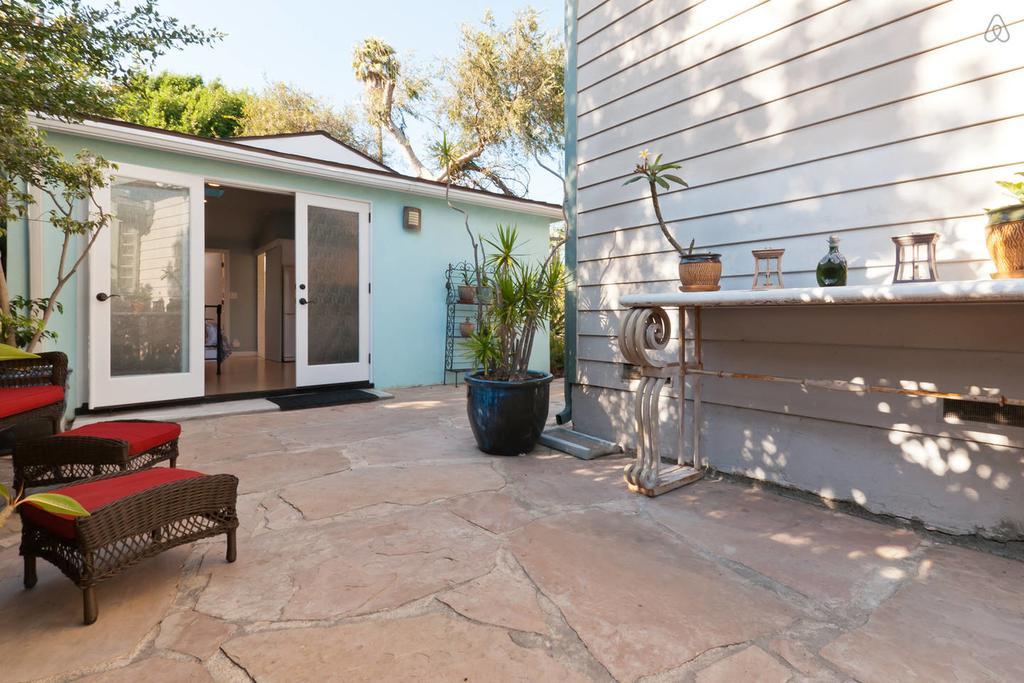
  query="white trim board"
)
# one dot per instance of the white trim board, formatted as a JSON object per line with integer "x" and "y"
{"x": 234, "y": 152}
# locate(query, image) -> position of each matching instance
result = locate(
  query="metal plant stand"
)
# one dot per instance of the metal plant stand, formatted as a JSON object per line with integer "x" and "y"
{"x": 457, "y": 360}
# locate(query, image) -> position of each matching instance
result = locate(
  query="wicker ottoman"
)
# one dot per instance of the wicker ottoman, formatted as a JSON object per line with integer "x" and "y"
{"x": 92, "y": 450}
{"x": 132, "y": 516}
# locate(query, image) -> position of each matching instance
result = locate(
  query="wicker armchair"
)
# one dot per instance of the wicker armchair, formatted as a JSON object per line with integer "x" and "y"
{"x": 33, "y": 389}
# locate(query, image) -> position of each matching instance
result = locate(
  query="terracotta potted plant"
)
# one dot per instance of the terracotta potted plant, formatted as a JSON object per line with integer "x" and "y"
{"x": 1004, "y": 235}
{"x": 698, "y": 272}
{"x": 467, "y": 292}
{"x": 466, "y": 327}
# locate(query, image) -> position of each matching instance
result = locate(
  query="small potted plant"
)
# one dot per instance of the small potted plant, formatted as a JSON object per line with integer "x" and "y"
{"x": 467, "y": 327}
{"x": 467, "y": 292}
{"x": 507, "y": 402}
{"x": 484, "y": 293}
{"x": 1004, "y": 235}
{"x": 698, "y": 272}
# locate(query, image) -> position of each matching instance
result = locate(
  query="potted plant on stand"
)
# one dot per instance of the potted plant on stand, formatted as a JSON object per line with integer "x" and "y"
{"x": 1004, "y": 235}
{"x": 698, "y": 272}
{"x": 467, "y": 292}
{"x": 507, "y": 402}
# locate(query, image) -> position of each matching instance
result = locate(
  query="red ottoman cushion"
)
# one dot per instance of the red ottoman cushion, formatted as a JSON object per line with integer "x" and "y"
{"x": 92, "y": 495}
{"x": 140, "y": 436}
{"x": 16, "y": 400}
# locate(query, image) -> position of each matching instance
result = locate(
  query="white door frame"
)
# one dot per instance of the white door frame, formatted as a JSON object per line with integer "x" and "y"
{"x": 306, "y": 375}
{"x": 105, "y": 390}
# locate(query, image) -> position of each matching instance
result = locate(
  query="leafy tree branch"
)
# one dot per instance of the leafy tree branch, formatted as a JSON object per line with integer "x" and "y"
{"x": 66, "y": 59}
{"x": 500, "y": 98}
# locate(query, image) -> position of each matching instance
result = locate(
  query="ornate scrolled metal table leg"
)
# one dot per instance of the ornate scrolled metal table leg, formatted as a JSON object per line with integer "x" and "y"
{"x": 644, "y": 330}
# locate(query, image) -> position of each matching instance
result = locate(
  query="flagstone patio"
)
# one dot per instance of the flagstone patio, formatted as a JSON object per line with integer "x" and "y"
{"x": 378, "y": 544}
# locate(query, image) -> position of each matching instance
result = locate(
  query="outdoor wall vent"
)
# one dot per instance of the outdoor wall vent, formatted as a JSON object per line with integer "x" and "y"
{"x": 989, "y": 413}
{"x": 411, "y": 218}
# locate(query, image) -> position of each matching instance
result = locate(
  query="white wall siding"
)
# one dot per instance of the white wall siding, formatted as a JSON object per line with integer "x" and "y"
{"x": 795, "y": 121}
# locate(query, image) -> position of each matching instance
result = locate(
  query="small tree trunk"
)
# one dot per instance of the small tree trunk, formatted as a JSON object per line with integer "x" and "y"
{"x": 5, "y": 305}
{"x": 661, "y": 222}
{"x": 45, "y": 320}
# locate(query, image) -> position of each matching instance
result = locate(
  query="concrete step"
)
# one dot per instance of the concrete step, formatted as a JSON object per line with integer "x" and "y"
{"x": 582, "y": 446}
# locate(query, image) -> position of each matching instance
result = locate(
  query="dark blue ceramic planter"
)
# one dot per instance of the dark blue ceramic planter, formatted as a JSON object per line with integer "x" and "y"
{"x": 507, "y": 417}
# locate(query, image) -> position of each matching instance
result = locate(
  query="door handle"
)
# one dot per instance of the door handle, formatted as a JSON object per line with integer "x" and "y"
{"x": 103, "y": 296}
{"x": 303, "y": 301}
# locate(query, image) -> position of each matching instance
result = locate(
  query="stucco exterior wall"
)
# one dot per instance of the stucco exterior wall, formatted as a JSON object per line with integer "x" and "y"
{"x": 794, "y": 121}
{"x": 407, "y": 304}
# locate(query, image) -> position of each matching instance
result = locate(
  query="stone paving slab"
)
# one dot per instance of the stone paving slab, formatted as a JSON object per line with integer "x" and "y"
{"x": 961, "y": 617}
{"x": 641, "y": 601}
{"x": 832, "y": 558}
{"x": 496, "y": 511}
{"x": 154, "y": 670}
{"x": 556, "y": 480}
{"x": 427, "y": 648}
{"x": 337, "y": 494}
{"x": 377, "y": 543}
{"x": 751, "y": 665}
{"x": 501, "y": 598}
{"x": 274, "y": 470}
{"x": 351, "y": 567}
{"x": 41, "y": 632}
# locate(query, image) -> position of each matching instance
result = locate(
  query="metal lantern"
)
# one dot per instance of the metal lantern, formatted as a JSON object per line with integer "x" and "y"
{"x": 915, "y": 257}
{"x": 767, "y": 268}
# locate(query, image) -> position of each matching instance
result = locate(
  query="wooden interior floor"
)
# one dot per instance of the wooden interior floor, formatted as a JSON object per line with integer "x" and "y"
{"x": 240, "y": 374}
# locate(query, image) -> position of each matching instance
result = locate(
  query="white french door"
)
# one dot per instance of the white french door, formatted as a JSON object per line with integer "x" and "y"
{"x": 146, "y": 290}
{"x": 332, "y": 282}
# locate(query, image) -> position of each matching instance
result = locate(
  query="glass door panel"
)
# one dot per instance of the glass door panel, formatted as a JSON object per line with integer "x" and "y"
{"x": 149, "y": 308}
{"x": 333, "y": 286}
{"x": 332, "y": 290}
{"x": 145, "y": 280}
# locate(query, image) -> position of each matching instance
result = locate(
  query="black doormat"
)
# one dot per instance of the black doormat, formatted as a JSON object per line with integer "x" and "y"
{"x": 321, "y": 399}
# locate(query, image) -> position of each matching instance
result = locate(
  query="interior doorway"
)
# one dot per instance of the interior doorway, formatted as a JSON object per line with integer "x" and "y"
{"x": 249, "y": 308}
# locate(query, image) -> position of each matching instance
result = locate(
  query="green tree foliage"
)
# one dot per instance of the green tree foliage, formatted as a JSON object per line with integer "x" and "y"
{"x": 283, "y": 108}
{"x": 500, "y": 100}
{"x": 66, "y": 59}
{"x": 184, "y": 103}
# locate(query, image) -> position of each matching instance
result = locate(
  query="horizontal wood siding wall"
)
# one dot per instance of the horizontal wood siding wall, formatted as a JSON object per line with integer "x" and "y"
{"x": 795, "y": 120}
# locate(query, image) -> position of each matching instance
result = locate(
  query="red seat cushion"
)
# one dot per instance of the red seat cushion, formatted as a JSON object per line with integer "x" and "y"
{"x": 92, "y": 495}
{"x": 140, "y": 436}
{"x": 14, "y": 400}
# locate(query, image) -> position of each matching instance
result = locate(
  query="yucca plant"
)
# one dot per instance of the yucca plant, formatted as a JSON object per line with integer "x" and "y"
{"x": 525, "y": 299}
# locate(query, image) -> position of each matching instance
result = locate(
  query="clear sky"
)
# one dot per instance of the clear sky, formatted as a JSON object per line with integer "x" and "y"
{"x": 308, "y": 43}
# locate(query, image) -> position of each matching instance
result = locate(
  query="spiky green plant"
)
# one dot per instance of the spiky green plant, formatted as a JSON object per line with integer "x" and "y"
{"x": 526, "y": 297}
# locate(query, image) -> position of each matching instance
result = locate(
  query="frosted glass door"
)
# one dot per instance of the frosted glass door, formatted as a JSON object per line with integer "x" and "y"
{"x": 331, "y": 291}
{"x": 146, "y": 286}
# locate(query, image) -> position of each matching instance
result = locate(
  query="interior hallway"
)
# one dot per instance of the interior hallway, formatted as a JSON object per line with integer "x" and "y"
{"x": 240, "y": 374}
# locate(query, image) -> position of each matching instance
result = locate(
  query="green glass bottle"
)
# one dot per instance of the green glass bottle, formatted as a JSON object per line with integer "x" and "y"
{"x": 832, "y": 268}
